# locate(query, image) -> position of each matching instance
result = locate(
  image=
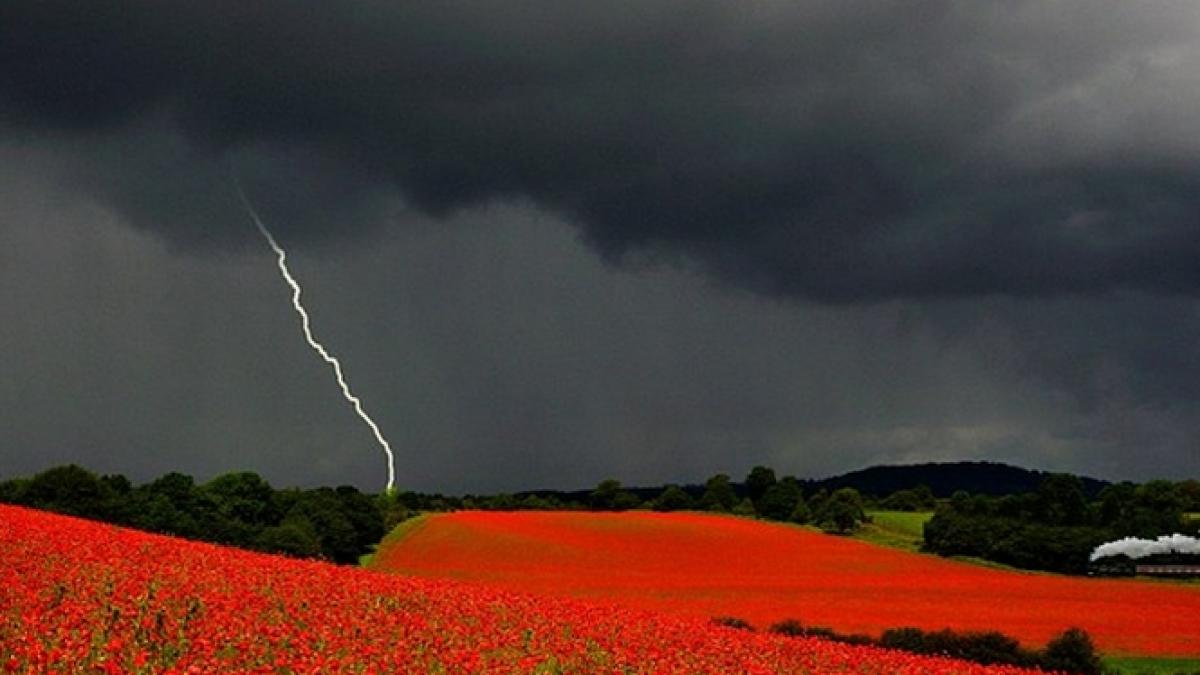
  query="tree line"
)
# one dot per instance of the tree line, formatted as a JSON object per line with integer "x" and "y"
{"x": 1056, "y": 527}
{"x": 237, "y": 509}
{"x": 761, "y": 495}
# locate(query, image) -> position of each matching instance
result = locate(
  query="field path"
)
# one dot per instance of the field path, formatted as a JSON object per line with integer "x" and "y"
{"x": 708, "y": 565}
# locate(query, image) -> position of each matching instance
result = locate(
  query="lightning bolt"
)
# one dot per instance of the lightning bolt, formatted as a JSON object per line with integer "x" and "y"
{"x": 312, "y": 341}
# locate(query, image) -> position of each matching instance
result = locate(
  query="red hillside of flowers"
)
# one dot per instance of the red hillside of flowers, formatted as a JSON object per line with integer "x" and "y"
{"x": 701, "y": 566}
{"x": 77, "y": 596}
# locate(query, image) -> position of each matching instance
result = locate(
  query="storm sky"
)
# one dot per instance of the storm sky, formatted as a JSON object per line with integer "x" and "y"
{"x": 555, "y": 242}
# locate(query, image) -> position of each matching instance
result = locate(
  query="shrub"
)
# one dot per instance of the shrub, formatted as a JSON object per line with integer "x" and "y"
{"x": 905, "y": 639}
{"x": 800, "y": 514}
{"x": 1072, "y": 652}
{"x": 745, "y": 508}
{"x": 793, "y": 628}
{"x": 732, "y": 622}
{"x": 989, "y": 647}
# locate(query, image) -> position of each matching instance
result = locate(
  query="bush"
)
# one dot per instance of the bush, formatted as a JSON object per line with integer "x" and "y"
{"x": 745, "y": 508}
{"x": 793, "y": 628}
{"x": 732, "y": 622}
{"x": 1072, "y": 652}
{"x": 989, "y": 647}
{"x": 779, "y": 501}
{"x": 800, "y": 514}
{"x": 672, "y": 498}
{"x": 905, "y": 639}
{"x": 841, "y": 513}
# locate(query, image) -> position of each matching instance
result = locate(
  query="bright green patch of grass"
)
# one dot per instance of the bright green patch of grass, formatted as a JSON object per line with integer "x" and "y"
{"x": 905, "y": 522}
{"x": 897, "y": 529}
{"x": 399, "y": 532}
{"x": 1146, "y": 665}
{"x": 905, "y": 530}
{"x": 1192, "y": 517}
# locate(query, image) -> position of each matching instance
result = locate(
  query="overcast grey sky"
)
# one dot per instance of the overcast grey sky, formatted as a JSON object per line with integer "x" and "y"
{"x": 556, "y": 242}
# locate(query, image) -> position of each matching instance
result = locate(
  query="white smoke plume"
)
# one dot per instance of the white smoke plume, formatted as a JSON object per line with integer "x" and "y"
{"x": 1140, "y": 548}
{"x": 312, "y": 341}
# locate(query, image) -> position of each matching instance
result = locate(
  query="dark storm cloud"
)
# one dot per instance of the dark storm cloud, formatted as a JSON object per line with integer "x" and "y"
{"x": 829, "y": 150}
{"x": 497, "y": 353}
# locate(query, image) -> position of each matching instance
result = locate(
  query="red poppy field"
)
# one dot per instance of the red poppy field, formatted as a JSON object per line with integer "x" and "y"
{"x": 79, "y": 596}
{"x": 702, "y": 566}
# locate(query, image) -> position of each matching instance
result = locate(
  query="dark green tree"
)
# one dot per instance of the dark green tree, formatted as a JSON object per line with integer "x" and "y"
{"x": 156, "y": 513}
{"x": 817, "y": 501}
{"x": 294, "y": 536}
{"x": 901, "y": 500}
{"x": 1071, "y": 652}
{"x": 842, "y": 512}
{"x": 779, "y": 501}
{"x": 1061, "y": 500}
{"x": 364, "y": 515}
{"x": 609, "y": 496}
{"x": 237, "y": 507}
{"x": 72, "y": 490}
{"x": 744, "y": 508}
{"x": 925, "y": 497}
{"x": 718, "y": 494}
{"x": 13, "y": 491}
{"x": 801, "y": 513}
{"x": 394, "y": 510}
{"x": 758, "y": 481}
{"x": 323, "y": 511}
{"x": 1156, "y": 508}
{"x": 243, "y": 496}
{"x": 1189, "y": 490}
{"x": 672, "y": 498}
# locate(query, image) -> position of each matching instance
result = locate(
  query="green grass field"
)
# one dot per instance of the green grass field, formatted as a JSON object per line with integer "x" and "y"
{"x": 1137, "y": 665}
{"x": 898, "y": 529}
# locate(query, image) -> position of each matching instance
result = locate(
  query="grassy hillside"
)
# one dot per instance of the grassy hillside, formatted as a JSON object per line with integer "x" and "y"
{"x": 135, "y": 602}
{"x": 898, "y": 529}
{"x": 704, "y": 565}
{"x": 1137, "y": 665}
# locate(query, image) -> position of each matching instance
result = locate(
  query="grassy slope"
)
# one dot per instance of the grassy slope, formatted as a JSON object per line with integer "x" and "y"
{"x": 904, "y": 530}
{"x": 1136, "y": 665}
{"x": 898, "y": 529}
{"x": 662, "y": 561}
{"x": 399, "y": 532}
{"x": 220, "y": 609}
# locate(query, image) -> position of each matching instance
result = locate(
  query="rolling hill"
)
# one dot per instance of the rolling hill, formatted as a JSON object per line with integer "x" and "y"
{"x": 701, "y": 565}
{"x": 81, "y": 596}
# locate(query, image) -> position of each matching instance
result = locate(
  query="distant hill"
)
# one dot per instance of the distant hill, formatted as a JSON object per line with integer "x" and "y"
{"x": 945, "y": 478}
